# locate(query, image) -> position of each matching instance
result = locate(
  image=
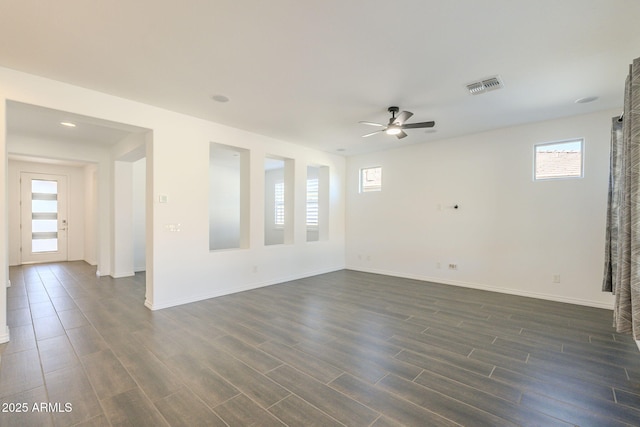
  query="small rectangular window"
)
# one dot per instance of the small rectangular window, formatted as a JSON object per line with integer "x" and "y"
{"x": 370, "y": 179}
{"x": 562, "y": 159}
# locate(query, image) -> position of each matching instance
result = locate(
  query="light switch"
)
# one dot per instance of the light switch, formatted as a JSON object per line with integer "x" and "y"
{"x": 173, "y": 228}
{"x": 163, "y": 198}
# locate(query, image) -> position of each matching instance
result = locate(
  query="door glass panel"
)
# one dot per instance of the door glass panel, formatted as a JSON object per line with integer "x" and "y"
{"x": 44, "y": 216}
{"x": 44, "y": 187}
{"x": 44, "y": 245}
{"x": 44, "y": 206}
{"x": 44, "y": 225}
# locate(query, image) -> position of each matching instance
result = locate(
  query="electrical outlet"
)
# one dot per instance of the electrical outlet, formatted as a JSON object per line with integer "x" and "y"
{"x": 254, "y": 269}
{"x": 556, "y": 278}
{"x": 438, "y": 266}
{"x": 453, "y": 266}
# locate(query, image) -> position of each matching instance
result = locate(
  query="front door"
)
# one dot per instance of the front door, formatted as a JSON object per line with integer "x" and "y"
{"x": 43, "y": 206}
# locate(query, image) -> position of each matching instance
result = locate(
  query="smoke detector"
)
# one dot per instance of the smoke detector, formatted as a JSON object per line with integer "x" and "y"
{"x": 485, "y": 85}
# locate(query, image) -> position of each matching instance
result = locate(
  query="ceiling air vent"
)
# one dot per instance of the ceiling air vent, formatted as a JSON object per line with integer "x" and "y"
{"x": 485, "y": 85}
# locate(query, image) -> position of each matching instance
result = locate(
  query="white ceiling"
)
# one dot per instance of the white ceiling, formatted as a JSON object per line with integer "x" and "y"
{"x": 35, "y": 121}
{"x": 308, "y": 71}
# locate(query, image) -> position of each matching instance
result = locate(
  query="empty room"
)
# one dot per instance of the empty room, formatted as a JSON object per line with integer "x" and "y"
{"x": 416, "y": 213}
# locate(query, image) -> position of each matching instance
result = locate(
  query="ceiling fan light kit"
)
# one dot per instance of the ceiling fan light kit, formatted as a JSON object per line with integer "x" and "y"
{"x": 393, "y": 130}
{"x": 397, "y": 124}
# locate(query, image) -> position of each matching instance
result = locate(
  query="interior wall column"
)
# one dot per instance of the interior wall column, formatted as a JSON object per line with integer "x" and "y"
{"x": 122, "y": 251}
{"x": 149, "y": 221}
{"x": 4, "y": 224}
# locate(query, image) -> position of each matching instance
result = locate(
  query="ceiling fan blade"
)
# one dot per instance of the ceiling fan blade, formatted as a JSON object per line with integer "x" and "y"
{"x": 401, "y": 135}
{"x": 372, "y": 133}
{"x": 402, "y": 117}
{"x": 418, "y": 125}
{"x": 371, "y": 124}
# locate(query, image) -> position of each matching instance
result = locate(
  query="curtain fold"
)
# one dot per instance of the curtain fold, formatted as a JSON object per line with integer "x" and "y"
{"x": 611, "y": 253}
{"x": 622, "y": 249}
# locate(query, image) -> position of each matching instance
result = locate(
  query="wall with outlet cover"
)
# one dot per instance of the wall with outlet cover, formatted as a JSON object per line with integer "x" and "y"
{"x": 510, "y": 233}
{"x": 180, "y": 266}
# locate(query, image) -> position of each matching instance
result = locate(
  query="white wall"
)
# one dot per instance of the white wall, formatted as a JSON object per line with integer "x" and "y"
{"x": 225, "y": 205}
{"x": 129, "y": 210}
{"x": 91, "y": 214}
{"x": 139, "y": 212}
{"x": 123, "y": 242}
{"x": 509, "y": 234}
{"x": 75, "y": 206}
{"x": 180, "y": 267}
{"x": 4, "y": 225}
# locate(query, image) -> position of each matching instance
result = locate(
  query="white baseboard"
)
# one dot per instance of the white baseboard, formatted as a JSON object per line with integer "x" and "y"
{"x": 484, "y": 287}
{"x": 638, "y": 344}
{"x": 5, "y": 337}
{"x": 122, "y": 275}
{"x": 227, "y": 291}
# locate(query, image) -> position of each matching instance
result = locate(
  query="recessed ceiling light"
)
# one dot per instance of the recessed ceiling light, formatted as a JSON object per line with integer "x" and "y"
{"x": 220, "y": 98}
{"x": 586, "y": 100}
{"x": 68, "y": 124}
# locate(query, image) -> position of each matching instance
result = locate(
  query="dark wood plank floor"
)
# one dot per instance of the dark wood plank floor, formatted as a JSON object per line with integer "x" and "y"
{"x": 345, "y": 348}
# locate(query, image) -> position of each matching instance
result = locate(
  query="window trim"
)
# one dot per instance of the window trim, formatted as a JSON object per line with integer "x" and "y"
{"x": 581, "y": 140}
{"x": 361, "y": 186}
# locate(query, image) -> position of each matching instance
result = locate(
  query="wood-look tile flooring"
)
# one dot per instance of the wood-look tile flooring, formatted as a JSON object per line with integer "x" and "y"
{"x": 345, "y": 348}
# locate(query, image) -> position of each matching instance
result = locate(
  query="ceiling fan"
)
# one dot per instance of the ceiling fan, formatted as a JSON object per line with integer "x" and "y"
{"x": 397, "y": 124}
